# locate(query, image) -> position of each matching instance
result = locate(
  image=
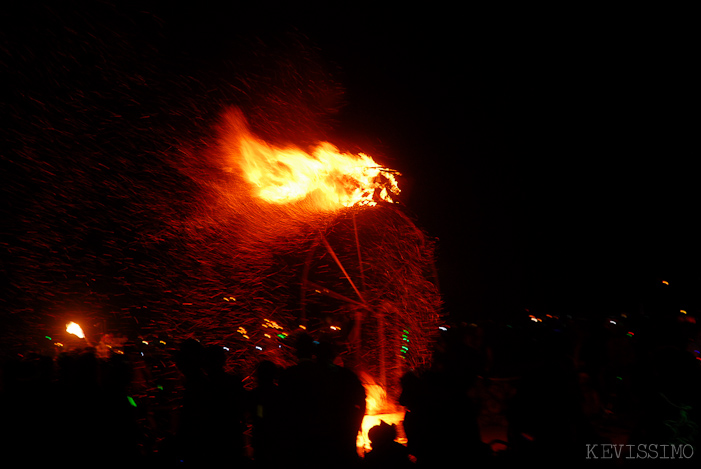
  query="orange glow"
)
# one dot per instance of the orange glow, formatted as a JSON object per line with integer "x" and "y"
{"x": 75, "y": 329}
{"x": 271, "y": 324}
{"x": 369, "y": 421}
{"x": 377, "y": 409}
{"x": 375, "y": 398}
{"x": 324, "y": 176}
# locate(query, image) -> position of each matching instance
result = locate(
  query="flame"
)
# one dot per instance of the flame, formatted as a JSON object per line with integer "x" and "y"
{"x": 329, "y": 178}
{"x": 75, "y": 329}
{"x": 375, "y": 398}
{"x": 377, "y": 409}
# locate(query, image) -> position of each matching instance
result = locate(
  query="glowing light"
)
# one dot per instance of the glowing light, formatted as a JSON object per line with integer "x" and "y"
{"x": 443, "y": 328}
{"x": 75, "y": 329}
{"x": 259, "y": 348}
{"x": 335, "y": 328}
{"x": 665, "y": 282}
{"x": 131, "y": 401}
{"x": 682, "y": 311}
{"x": 303, "y": 327}
{"x": 282, "y": 175}
{"x": 271, "y": 324}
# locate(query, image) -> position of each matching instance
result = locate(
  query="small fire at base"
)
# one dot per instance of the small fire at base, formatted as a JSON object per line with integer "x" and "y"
{"x": 378, "y": 409}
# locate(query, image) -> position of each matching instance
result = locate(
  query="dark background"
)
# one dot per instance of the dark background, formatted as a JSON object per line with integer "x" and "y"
{"x": 549, "y": 151}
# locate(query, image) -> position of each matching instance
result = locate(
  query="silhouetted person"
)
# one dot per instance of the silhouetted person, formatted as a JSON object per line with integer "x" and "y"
{"x": 545, "y": 417}
{"x": 27, "y": 412}
{"x": 441, "y": 420}
{"x": 264, "y": 411}
{"x": 299, "y": 407}
{"x": 322, "y": 409}
{"x": 190, "y": 441}
{"x": 210, "y": 431}
{"x": 342, "y": 409}
{"x": 224, "y": 418}
{"x": 386, "y": 453}
{"x": 416, "y": 417}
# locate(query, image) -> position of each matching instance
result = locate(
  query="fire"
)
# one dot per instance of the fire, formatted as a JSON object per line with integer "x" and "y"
{"x": 377, "y": 409}
{"x": 375, "y": 398}
{"x": 329, "y": 178}
{"x": 75, "y": 329}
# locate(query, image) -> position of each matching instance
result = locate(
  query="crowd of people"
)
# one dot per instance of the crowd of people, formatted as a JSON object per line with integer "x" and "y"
{"x": 77, "y": 408}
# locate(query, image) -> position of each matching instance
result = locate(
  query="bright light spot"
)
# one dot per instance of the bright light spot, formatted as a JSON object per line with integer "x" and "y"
{"x": 534, "y": 319}
{"x": 226, "y": 348}
{"x": 259, "y": 348}
{"x": 75, "y": 329}
{"x": 682, "y": 311}
{"x": 335, "y": 328}
{"x": 612, "y": 321}
{"x": 273, "y": 324}
{"x": 665, "y": 282}
{"x": 303, "y": 327}
{"x": 443, "y": 328}
{"x": 287, "y": 174}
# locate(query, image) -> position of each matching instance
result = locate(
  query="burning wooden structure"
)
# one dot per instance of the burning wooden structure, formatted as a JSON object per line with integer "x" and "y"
{"x": 310, "y": 239}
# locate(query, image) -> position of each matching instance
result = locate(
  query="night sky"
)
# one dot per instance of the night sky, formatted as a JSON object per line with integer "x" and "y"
{"x": 549, "y": 152}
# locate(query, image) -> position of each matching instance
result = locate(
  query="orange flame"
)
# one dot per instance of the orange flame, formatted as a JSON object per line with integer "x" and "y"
{"x": 375, "y": 398}
{"x": 328, "y": 177}
{"x": 75, "y": 329}
{"x": 377, "y": 409}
